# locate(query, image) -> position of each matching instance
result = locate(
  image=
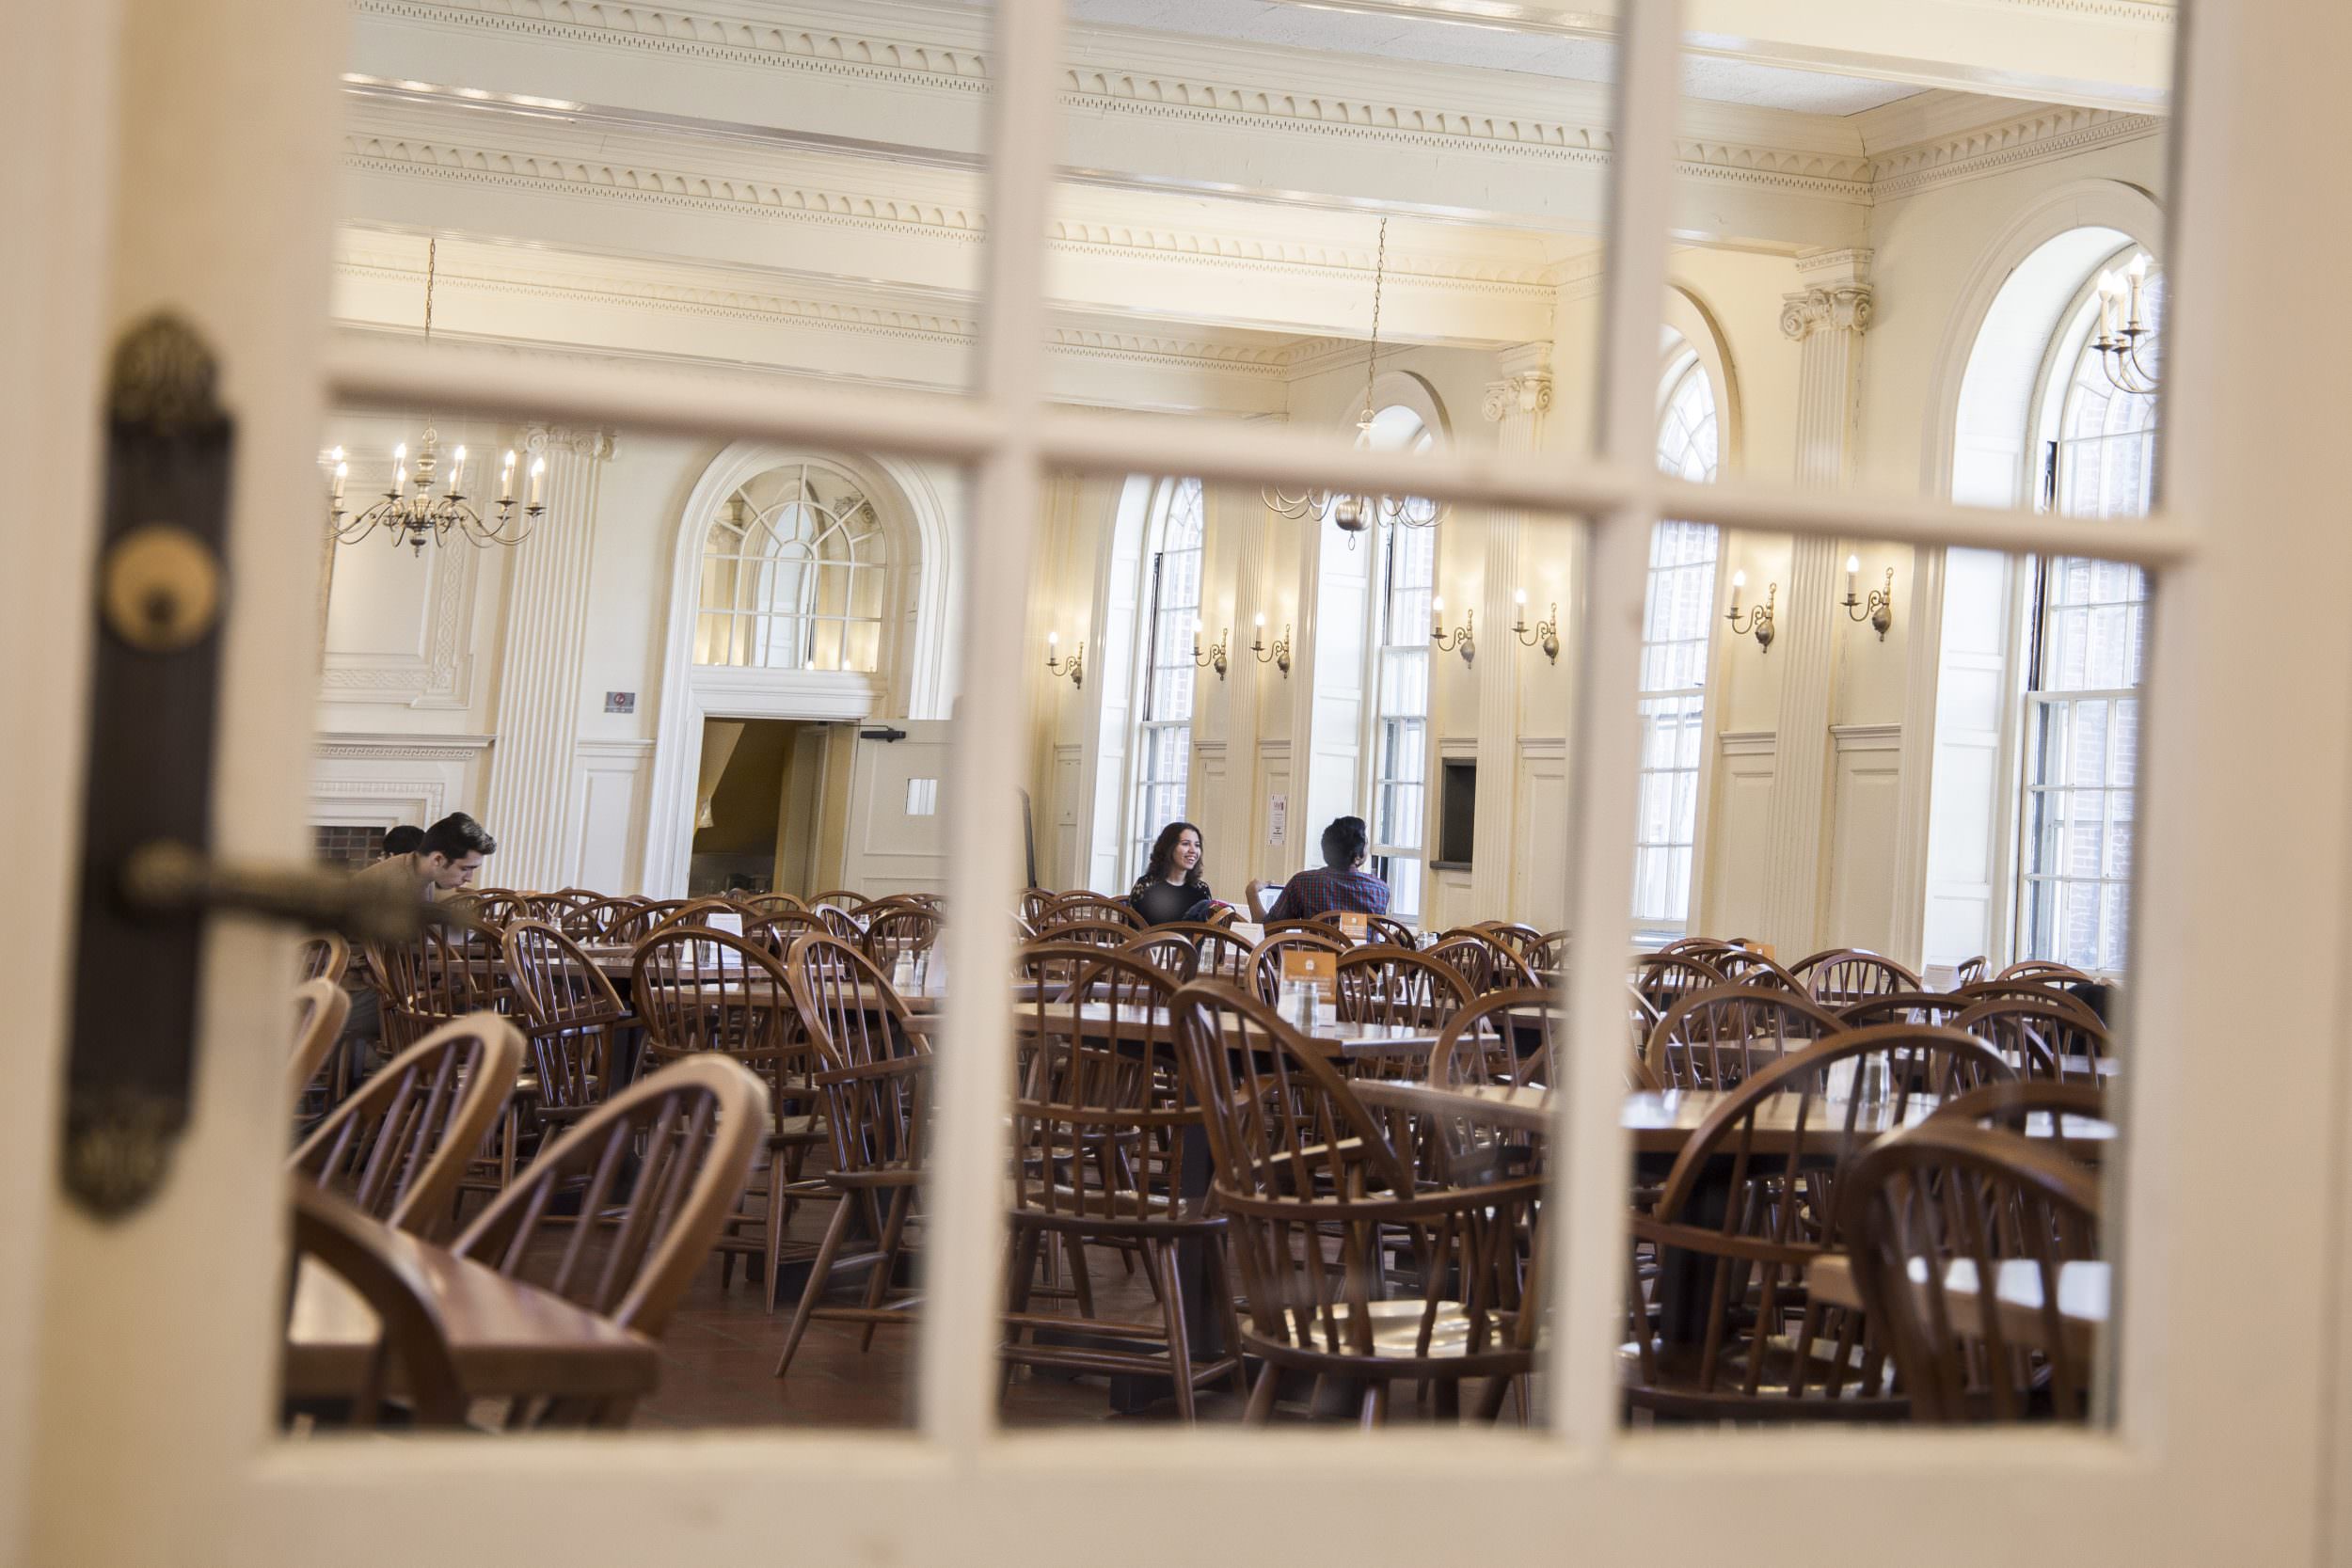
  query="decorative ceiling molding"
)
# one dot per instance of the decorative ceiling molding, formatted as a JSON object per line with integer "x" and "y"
{"x": 376, "y": 746}
{"x": 2046, "y": 134}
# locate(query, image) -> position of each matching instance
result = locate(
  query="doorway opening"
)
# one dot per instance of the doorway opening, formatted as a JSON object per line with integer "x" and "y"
{"x": 771, "y": 806}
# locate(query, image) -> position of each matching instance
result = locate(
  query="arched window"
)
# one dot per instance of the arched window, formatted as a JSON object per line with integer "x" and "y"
{"x": 1172, "y": 599}
{"x": 1404, "y": 584}
{"x": 792, "y": 574}
{"x": 1677, "y": 619}
{"x": 2088, "y": 631}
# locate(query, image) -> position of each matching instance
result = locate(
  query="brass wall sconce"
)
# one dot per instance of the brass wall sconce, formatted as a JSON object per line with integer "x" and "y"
{"x": 1280, "y": 655}
{"x": 1074, "y": 666}
{"x": 1464, "y": 637}
{"x": 1546, "y": 634}
{"x": 1879, "y": 610}
{"x": 1216, "y": 656}
{"x": 1759, "y": 618}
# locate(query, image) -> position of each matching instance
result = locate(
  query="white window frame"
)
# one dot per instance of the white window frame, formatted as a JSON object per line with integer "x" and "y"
{"x": 1391, "y": 644}
{"x": 166, "y": 1388}
{"x": 1685, "y": 366}
{"x": 1143, "y": 822}
{"x": 749, "y": 626}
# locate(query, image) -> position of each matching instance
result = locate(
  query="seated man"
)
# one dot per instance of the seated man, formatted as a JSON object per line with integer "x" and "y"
{"x": 1342, "y": 883}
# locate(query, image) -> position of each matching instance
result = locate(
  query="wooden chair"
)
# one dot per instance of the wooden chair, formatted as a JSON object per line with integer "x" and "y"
{"x": 1902, "y": 1007}
{"x": 2023, "y": 989}
{"x": 320, "y": 1009}
{"x": 1381, "y": 927}
{"x": 2013, "y": 1106}
{"x": 1946, "y": 1192}
{"x": 2045, "y": 971}
{"x": 1744, "y": 966}
{"x": 1844, "y": 976}
{"x": 1484, "y": 962}
{"x": 1100, "y": 1123}
{"x": 446, "y": 972}
{"x": 1217, "y": 952}
{"x": 1318, "y": 1200}
{"x": 1708, "y": 950}
{"x": 1972, "y": 970}
{"x": 840, "y": 898}
{"x": 398, "y": 1147}
{"x": 772, "y": 903}
{"x": 1385, "y": 984}
{"x": 699, "y": 992}
{"x": 697, "y": 913}
{"x": 1665, "y": 979}
{"x": 875, "y": 1074}
{"x": 1518, "y": 937}
{"x": 1723, "y": 1035}
{"x": 589, "y": 922}
{"x": 1266, "y": 959}
{"x": 413, "y": 1349}
{"x": 1096, "y": 933}
{"x": 1732, "y": 1333}
{"x": 1641, "y": 1016}
{"x": 779, "y": 930}
{"x": 573, "y": 1018}
{"x": 2055, "y": 1037}
{"x": 1506, "y": 1039}
{"x": 1033, "y": 903}
{"x": 1169, "y": 952}
{"x": 1259, "y": 897}
{"x": 495, "y": 907}
{"x": 1093, "y": 907}
{"x": 844, "y": 924}
{"x": 326, "y": 955}
{"x": 900, "y": 931}
{"x": 1548, "y": 953}
{"x": 634, "y": 926}
{"x": 693, "y": 1129}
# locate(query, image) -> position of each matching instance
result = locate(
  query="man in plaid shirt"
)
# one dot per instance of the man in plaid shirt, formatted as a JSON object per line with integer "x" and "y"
{"x": 1342, "y": 883}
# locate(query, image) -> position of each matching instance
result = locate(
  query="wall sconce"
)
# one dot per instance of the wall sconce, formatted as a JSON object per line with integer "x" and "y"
{"x": 1280, "y": 655}
{"x": 1546, "y": 632}
{"x": 1759, "y": 621}
{"x": 1074, "y": 666}
{"x": 1216, "y": 656}
{"x": 1465, "y": 636}
{"x": 1879, "y": 610}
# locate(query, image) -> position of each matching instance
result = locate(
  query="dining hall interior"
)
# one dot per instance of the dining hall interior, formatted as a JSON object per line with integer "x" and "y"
{"x": 1398, "y": 733}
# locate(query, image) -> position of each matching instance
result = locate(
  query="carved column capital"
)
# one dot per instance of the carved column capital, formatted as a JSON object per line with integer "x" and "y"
{"x": 547, "y": 440}
{"x": 1846, "y": 309}
{"x": 1526, "y": 393}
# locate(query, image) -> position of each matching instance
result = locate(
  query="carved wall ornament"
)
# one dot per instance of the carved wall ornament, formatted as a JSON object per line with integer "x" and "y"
{"x": 1528, "y": 393}
{"x": 1845, "y": 307}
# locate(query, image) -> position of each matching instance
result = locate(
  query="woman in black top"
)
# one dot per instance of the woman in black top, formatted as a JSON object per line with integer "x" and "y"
{"x": 1170, "y": 888}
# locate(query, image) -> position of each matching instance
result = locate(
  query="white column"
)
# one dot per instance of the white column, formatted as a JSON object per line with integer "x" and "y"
{"x": 1515, "y": 406}
{"x": 1827, "y": 319}
{"x": 533, "y": 760}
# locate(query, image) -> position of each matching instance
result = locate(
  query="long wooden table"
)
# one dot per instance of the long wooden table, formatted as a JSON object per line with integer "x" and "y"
{"x": 2084, "y": 1298}
{"x": 1338, "y": 1040}
{"x": 1663, "y": 1124}
{"x": 508, "y": 1339}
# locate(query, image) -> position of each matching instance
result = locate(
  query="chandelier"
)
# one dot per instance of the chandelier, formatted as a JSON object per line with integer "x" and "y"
{"x": 413, "y": 511}
{"x": 1354, "y": 513}
{"x": 2123, "y": 324}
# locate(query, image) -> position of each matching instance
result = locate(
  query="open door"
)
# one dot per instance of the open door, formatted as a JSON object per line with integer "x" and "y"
{"x": 897, "y": 839}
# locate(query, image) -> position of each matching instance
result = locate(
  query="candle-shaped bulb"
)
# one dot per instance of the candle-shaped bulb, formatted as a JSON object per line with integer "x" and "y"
{"x": 1261, "y": 622}
{"x": 506, "y": 478}
{"x": 335, "y": 456}
{"x": 1519, "y": 596}
{"x": 342, "y": 471}
{"x": 538, "y": 478}
{"x": 2138, "y": 270}
{"x": 1739, "y": 581}
{"x": 456, "y": 471}
{"x": 1854, "y": 565}
{"x": 1052, "y": 638}
{"x": 400, "y": 453}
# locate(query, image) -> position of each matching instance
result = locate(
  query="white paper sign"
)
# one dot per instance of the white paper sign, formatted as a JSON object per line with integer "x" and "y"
{"x": 1278, "y": 818}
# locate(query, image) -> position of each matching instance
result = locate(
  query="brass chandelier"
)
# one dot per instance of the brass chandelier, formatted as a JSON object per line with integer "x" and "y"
{"x": 1354, "y": 513}
{"x": 413, "y": 511}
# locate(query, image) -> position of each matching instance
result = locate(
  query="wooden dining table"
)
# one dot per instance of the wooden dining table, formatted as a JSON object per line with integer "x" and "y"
{"x": 2085, "y": 1296}
{"x": 1664, "y": 1123}
{"x": 507, "y": 1339}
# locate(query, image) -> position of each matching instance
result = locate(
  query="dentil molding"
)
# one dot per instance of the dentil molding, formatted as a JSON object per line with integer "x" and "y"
{"x": 360, "y": 745}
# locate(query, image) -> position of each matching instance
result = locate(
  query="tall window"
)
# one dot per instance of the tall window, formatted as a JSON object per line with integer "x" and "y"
{"x": 2088, "y": 632}
{"x": 1164, "y": 714}
{"x": 1677, "y": 617}
{"x": 1400, "y": 725}
{"x": 792, "y": 574}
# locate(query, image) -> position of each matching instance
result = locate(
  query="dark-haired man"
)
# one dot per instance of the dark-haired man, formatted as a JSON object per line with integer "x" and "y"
{"x": 444, "y": 859}
{"x": 402, "y": 840}
{"x": 1340, "y": 883}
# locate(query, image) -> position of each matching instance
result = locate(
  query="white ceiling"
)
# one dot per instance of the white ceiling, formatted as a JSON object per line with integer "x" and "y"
{"x": 1298, "y": 24}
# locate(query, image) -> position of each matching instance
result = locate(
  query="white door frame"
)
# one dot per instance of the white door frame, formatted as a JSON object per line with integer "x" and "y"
{"x": 153, "y": 1337}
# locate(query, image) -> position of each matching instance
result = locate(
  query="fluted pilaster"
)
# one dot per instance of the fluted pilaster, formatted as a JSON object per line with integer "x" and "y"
{"x": 1827, "y": 318}
{"x": 1516, "y": 405}
{"x": 533, "y": 761}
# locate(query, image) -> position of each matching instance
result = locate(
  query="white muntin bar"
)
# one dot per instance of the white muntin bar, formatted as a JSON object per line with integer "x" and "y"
{"x": 957, "y": 1370}
{"x": 1587, "y": 1254}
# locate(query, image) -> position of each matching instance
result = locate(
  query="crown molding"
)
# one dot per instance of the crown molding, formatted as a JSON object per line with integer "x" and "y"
{"x": 2047, "y": 133}
{"x": 392, "y": 746}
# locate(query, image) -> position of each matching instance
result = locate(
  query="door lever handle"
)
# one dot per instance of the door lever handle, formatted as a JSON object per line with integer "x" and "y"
{"x": 166, "y": 878}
